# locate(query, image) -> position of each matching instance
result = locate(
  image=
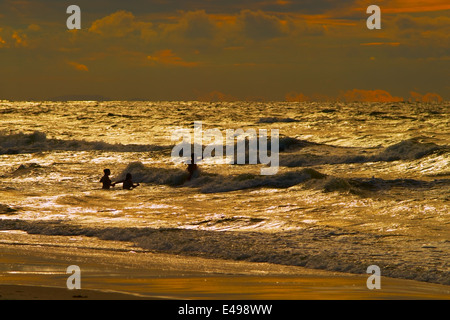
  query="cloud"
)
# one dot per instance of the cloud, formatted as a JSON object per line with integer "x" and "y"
{"x": 421, "y": 36}
{"x": 392, "y": 44}
{"x": 428, "y": 97}
{"x": 3, "y": 43}
{"x": 300, "y": 97}
{"x": 410, "y": 6}
{"x": 216, "y": 96}
{"x": 420, "y": 24}
{"x": 357, "y": 95}
{"x": 121, "y": 24}
{"x": 307, "y": 6}
{"x": 210, "y": 30}
{"x": 198, "y": 28}
{"x": 296, "y": 97}
{"x": 193, "y": 25}
{"x": 259, "y": 25}
{"x": 16, "y": 38}
{"x": 20, "y": 39}
{"x": 168, "y": 58}
{"x": 78, "y": 66}
{"x": 34, "y": 27}
{"x": 5, "y": 37}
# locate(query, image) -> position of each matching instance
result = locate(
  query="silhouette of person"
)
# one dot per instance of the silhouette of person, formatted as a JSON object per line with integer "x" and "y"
{"x": 192, "y": 168}
{"x": 105, "y": 180}
{"x": 128, "y": 182}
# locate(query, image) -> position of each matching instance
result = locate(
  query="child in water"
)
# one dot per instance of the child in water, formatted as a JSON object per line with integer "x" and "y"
{"x": 128, "y": 182}
{"x": 106, "y": 180}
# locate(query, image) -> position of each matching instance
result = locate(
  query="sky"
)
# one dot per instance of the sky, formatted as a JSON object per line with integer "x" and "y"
{"x": 215, "y": 50}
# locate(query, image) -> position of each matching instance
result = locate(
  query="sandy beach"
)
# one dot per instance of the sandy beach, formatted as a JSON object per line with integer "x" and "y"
{"x": 32, "y": 271}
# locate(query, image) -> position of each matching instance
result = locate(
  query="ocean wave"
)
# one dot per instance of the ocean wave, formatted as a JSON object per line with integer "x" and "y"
{"x": 222, "y": 223}
{"x": 368, "y": 186}
{"x": 38, "y": 142}
{"x": 276, "y": 119}
{"x": 289, "y": 143}
{"x": 252, "y": 144}
{"x": 4, "y": 209}
{"x": 250, "y": 181}
{"x": 285, "y": 144}
{"x": 213, "y": 183}
{"x": 154, "y": 175}
{"x": 28, "y": 168}
{"x": 411, "y": 149}
{"x": 310, "y": 178}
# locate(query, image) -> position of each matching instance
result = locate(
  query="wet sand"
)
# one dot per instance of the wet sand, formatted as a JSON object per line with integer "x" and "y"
{"x": 34, "y": 267}
{"x": 20, "y": 292}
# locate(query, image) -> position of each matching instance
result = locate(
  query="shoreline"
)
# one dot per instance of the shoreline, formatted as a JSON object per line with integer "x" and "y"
{"x": 330, "y": 248}
{"x": 33, "y": 271}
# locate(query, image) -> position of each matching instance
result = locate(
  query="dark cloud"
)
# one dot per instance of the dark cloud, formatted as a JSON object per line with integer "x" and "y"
{"x": 192, "y": 25}
{"x": 259, "y": 25}
{"x": 119, "y": 24}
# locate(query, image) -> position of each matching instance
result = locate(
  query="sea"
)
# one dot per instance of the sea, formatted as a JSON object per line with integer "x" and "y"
{"x": 358, "y": 184}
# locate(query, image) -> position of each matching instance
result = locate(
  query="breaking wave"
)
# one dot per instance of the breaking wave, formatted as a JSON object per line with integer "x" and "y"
{"x": 215, "y": 183}
{"x": 364, "y": 186}
{"x": 410, "y": 149}
{"x": 37, "y": 142}
{"x": 212, "y": 183}
{"x": 4, "y": 209}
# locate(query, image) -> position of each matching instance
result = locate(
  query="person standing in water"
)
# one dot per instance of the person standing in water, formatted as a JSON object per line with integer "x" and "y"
{"x": 105, "y": 180}
{"x": 192, "y": 168}
{"x": 128, "y": 182}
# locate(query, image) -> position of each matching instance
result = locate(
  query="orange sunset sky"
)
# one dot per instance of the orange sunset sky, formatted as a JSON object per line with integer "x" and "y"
{"x": 215, "y": 50}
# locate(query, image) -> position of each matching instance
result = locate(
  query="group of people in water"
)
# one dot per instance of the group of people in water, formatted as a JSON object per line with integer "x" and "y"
{"x": 128, "y": 183}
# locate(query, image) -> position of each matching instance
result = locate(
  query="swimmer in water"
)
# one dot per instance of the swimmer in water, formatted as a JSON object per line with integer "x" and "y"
{"x": 105, "y": 180}
{"x": 128, "y": 182}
